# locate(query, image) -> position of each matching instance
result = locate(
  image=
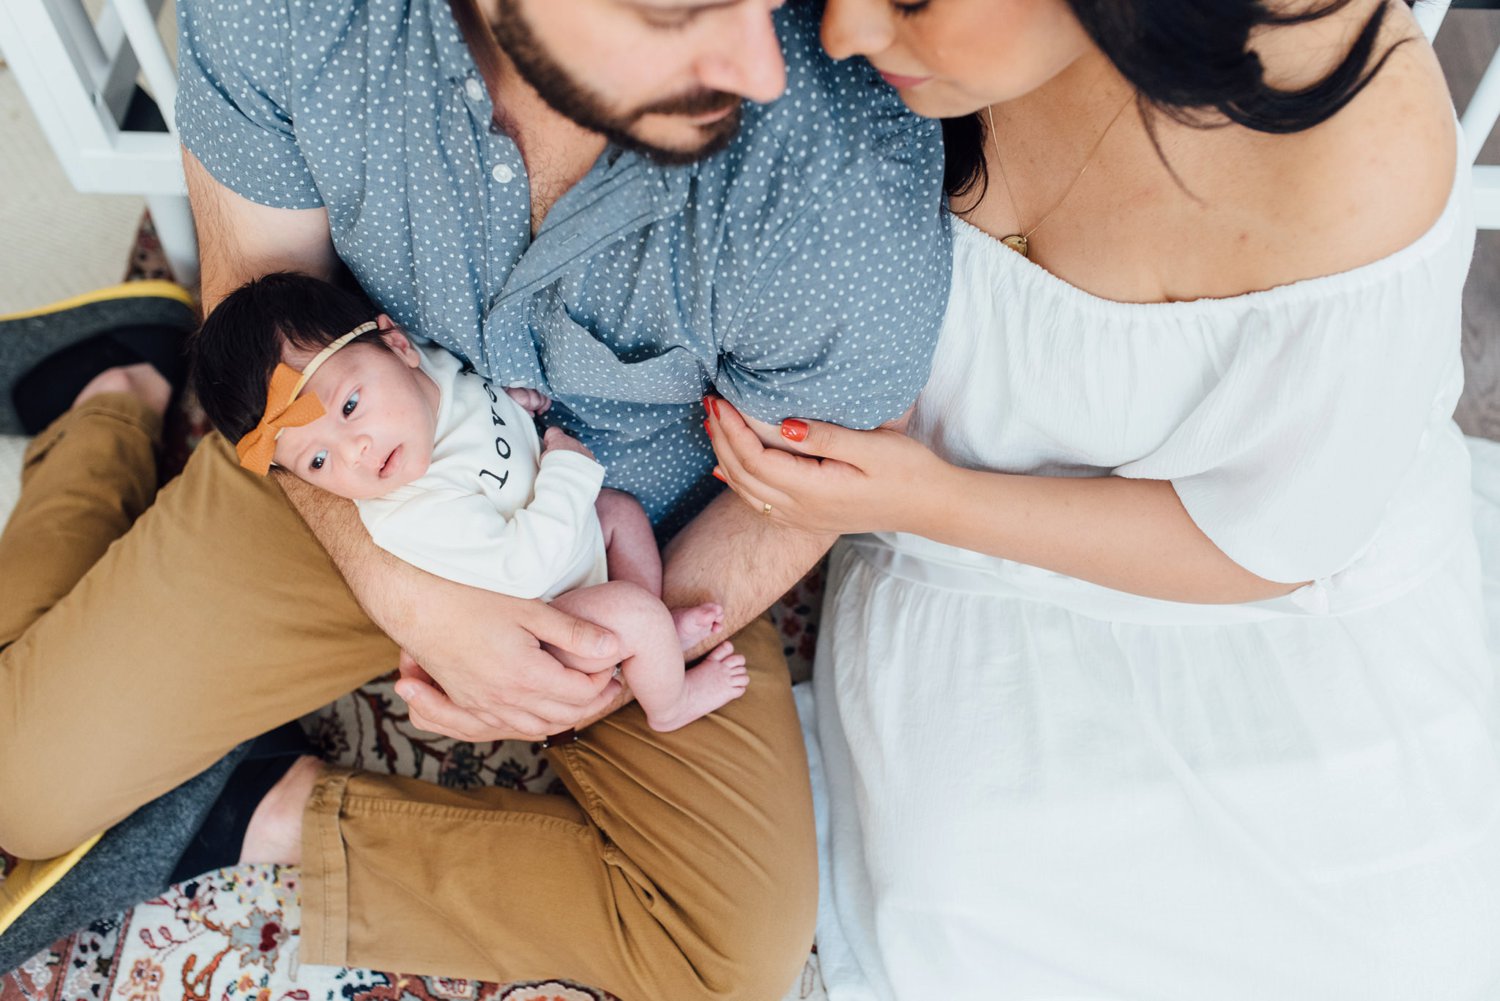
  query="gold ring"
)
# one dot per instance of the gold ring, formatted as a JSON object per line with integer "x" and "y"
{"x": 765, "y": 508}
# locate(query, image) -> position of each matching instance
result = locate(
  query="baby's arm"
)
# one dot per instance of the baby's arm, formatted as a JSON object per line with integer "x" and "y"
{"x": 459, "y": 535}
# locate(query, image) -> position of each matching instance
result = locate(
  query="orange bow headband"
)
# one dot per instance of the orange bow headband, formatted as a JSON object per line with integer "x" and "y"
{"x": 283, "y": 408}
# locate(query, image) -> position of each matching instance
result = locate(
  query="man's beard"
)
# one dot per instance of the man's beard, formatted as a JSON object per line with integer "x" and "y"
{"x": 573, "y": 100}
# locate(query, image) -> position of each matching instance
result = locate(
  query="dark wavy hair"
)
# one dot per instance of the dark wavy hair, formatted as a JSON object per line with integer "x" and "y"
{"x": 1191, "y": 60}
{"x": 234, "y": 354}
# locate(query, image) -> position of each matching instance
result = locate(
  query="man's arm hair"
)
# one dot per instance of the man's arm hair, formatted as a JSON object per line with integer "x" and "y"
{"x": 734, "y": 555}
{"x": 239, "y": 239}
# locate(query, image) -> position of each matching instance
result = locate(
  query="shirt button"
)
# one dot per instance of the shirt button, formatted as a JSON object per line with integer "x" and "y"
{"x": 503, "y": 174}
{"x": 474, "y": 89}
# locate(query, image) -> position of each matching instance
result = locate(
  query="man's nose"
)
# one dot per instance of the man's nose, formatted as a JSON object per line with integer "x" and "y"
{"x": 750, "y": 63}
{"x": 856, "y": 28}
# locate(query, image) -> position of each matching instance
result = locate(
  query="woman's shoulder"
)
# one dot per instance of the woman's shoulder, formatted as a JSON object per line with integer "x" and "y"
{"x": 1375, "y": 177}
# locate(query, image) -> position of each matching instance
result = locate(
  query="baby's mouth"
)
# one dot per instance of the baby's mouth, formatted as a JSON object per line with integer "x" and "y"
{"x": 389, "y": 465}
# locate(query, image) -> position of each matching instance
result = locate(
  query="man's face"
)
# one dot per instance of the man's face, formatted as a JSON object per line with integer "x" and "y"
{"x": 663, "y": 77}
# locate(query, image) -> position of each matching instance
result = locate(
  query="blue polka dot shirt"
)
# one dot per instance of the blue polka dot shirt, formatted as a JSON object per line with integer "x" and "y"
{"x": 801, "y": 272}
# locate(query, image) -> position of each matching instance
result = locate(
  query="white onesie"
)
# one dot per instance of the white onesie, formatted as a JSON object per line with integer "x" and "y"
{"x": 492, "y": 511}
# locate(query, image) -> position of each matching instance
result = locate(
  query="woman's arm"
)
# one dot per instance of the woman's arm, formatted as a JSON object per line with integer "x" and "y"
{"x": 1130, "y": 535}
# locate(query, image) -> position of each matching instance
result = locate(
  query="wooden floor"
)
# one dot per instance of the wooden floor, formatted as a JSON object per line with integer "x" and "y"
{"x": 1465, "y": 45}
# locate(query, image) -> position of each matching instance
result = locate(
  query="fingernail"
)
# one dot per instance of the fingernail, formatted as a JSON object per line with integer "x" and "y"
{"x": 793, "y": 429}
{"x": 719, "y": 475}
{"x": 714, "y": 401}
{"x": 708, "y": 406}
{"x": 404, "y": 692}
{"x": 708, "y": 430}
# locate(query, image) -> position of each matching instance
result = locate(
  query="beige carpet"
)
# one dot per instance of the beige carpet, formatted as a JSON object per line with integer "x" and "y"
{"x": 57, "y": 242}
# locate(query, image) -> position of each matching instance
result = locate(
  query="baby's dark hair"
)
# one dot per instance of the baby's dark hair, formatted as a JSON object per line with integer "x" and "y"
{"x": 241, "y": 342}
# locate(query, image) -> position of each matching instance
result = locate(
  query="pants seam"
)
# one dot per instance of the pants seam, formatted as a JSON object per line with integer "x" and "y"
{"x": 353, "y": 804}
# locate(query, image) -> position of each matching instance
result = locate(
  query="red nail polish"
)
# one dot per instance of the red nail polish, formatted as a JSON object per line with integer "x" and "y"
{"x": 793, "y": 429}
{"x": 715, "y": 401}
{"x": 708, "y": 430}
{"x": 719, "y": 475}
{"x": 708, "y": 404}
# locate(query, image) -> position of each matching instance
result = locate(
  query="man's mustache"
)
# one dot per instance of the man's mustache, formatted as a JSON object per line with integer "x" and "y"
{"x": 702, "y": 102}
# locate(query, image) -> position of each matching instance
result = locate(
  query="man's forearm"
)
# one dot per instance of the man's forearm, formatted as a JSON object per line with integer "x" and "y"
{"x": 732, "y": 555}
{"x": 373, "y": 575}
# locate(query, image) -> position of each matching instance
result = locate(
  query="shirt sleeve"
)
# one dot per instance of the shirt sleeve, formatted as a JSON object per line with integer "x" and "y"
{"x": 1325, "y": 404}
{"x": 234, "y": 105}
{"x": 462, "y": 537}
{"x": 845, "y": 310}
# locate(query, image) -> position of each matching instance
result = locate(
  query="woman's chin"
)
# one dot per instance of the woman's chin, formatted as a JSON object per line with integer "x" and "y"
{"x": 933, "y": 100}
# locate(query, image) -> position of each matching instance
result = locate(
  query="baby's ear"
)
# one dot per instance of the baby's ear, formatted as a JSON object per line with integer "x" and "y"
{"x": 395, "y": 338}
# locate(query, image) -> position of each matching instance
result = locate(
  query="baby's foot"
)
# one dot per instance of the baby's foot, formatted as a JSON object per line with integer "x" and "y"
{"x": 696, "y": 624}
{"x": 717, "y": 679}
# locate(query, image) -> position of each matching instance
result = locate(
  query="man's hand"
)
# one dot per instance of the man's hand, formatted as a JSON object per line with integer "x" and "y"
{"x": 558, "y": 440}
{"x": 484, "y": 674}
{"x": 527, "y": 697}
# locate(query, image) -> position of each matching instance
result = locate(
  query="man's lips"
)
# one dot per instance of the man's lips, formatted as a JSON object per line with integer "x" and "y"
{"x": 902, "y": 82}
{"x": 712, "y": 116}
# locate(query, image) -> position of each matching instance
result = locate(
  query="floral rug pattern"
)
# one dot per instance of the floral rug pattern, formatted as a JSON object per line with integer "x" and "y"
{"x": 232, "y": 935}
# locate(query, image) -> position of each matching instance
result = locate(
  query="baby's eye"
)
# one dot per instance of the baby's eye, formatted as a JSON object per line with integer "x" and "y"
{"x": 351, "y": 403}
{"x": 318, "y": 460}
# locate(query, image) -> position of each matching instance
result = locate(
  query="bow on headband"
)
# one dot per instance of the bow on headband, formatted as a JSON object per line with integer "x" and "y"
{"x": 283, "y": 407}
{"x": 258, "y": 447}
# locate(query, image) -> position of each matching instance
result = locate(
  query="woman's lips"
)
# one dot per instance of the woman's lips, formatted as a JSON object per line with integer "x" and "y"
{"x": 902, "y": 82}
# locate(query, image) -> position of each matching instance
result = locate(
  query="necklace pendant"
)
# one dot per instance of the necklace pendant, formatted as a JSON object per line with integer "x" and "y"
{"x": 1018, "y": 243}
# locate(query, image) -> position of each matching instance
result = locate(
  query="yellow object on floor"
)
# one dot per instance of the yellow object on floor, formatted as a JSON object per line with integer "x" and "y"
{"x": 154, "y": 288}
{"x": 26, "y": 883}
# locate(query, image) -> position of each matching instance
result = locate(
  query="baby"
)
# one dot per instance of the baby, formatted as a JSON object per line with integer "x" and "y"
{"x": 449, "y": 475}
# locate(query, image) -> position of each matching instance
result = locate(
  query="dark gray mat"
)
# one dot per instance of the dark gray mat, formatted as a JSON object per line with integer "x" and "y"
{"x": 25, "y": 342}
{"x": 130, "y": 864}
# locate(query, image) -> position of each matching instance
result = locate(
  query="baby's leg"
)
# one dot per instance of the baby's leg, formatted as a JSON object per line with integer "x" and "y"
{"x": 629, "y": 543}
{"x": 630, "y": 548}
{"x": 652, "y": 665}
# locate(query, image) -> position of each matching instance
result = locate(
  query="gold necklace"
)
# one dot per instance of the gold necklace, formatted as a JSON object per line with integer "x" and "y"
{"x": 1021, "y": 242}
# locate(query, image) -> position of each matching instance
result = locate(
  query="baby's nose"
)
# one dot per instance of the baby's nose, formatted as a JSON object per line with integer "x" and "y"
{"x": 357, "y": 448}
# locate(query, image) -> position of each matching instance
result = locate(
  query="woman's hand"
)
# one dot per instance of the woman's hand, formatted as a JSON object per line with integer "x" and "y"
{"x": 840, "y": 481}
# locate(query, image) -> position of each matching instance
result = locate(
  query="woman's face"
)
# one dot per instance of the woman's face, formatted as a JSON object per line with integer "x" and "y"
{"x": 953, "y": 57}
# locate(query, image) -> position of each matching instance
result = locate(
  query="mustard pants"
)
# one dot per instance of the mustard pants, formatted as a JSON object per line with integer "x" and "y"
{"x": 145, "y": 636}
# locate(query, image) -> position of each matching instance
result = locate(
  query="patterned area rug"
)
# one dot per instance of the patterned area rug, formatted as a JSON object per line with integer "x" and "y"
{"x": 233, "y": 934}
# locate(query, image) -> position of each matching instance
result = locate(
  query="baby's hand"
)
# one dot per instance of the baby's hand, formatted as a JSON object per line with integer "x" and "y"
{"x": 558, "y": 440}
{"x": 529, "y": 400}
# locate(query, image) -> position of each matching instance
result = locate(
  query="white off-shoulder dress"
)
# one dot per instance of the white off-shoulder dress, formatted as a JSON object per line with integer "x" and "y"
{"x": 1032, "y": 787}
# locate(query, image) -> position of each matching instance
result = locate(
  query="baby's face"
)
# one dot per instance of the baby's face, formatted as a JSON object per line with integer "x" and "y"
{"x": 379, "y": 421}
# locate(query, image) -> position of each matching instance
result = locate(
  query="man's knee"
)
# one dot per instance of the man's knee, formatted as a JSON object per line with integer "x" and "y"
{"x": 35, "y": 819}
{"x": 762, "y": 941}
